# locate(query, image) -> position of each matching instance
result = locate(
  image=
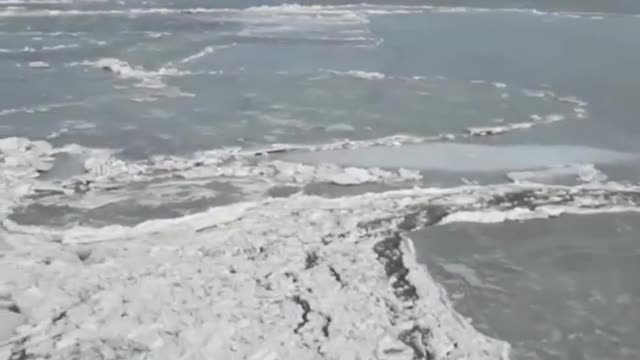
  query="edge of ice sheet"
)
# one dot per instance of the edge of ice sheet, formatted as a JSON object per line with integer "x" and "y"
{"x": 460, "y": 157}
{"x": 102, "y": 175}
{"x": 581, "y": 172}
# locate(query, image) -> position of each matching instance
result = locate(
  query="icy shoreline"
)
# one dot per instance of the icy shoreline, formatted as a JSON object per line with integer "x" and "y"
{"x": 300, "y": 268}
{"x": 301, "y": 278}
{"x": 263, "y": 278}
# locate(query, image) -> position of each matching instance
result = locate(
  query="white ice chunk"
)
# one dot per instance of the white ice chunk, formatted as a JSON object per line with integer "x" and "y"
{"x": 367, "y": 75}
{"x": 38, "y": 64}
{"x": 499, "y": 129}
{"x": 582, "y": 172}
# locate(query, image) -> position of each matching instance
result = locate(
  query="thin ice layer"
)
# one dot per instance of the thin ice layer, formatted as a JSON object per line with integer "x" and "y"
{"x": 576, "y": 172}
{"x": 455, "y": 157}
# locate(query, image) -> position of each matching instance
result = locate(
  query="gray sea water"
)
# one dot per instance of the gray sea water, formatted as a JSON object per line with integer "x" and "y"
{"x": 564, "y": 288}
{"x": 164, "y": 77}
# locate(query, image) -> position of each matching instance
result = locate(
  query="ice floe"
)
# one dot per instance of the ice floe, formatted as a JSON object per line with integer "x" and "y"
{"x": 554, "y": 174}
{"x": 501, "y": 129}
{"x": 458, "y": 157}
{"x": 340, "y": 128}
{"x": 204, "y": 52}
{"x": 153, "y": 82}
{"x": 122, "y": 69}
{"x": 368, "y": 75}
{"x": 39, "y": 65}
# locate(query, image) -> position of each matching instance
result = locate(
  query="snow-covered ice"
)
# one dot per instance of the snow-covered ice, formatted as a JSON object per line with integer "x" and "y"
{"x": 291, "y": 277}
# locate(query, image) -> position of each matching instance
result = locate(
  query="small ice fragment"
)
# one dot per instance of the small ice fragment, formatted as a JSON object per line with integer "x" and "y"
{"x": 554, "y": 118}
{"x": 340, "y": 128}
{"x": 534, "y": 93}
{"x": 351, "y": 176}
{"x": 367, "y": 75}
{"x": 487, "y": 130}
{"x": 38, "y": 65}
{"x": 500, "y": 129}
{"x": 573, "y": 100}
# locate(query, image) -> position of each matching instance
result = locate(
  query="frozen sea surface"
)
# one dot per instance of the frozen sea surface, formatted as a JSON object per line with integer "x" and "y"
{"x": 454, "y": 157}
